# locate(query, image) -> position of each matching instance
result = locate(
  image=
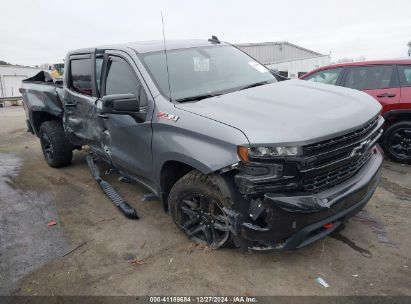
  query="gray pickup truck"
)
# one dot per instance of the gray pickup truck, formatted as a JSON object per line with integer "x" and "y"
{"x": 237, "y": 158}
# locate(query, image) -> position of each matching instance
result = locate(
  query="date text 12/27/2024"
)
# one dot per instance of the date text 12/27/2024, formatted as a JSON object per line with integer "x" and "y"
{"x": 203, "y": 299}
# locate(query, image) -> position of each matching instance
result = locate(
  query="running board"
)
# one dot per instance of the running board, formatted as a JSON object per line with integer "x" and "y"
{"x": 114, "y": 196}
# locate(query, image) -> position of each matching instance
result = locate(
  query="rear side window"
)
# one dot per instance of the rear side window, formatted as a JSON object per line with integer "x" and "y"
{"x": 325, "y": 76}
{"x": 369, "y": 77}
{"x": 405, "y": 75}
{"x": 80, "y": 72}
{"x": 121, "y": 79}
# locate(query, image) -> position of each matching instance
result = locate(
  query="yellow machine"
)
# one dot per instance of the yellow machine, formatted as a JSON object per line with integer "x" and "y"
{"x": 57, "y": 70}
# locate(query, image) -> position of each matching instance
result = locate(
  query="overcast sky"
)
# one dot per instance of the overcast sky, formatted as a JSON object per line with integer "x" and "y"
{"x": 33, "y": 32}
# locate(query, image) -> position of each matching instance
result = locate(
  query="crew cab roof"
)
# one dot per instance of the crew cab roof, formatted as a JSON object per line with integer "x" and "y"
{"x": 153, "y": 45}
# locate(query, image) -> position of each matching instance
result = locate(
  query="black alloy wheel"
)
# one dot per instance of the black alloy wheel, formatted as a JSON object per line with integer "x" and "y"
{"x": 203, "y": 219}
{"x": 397, "y": 142}
{"x": 57, "y": 149}
{"x": 400, "y": 143}
{"x": 48, "y": 150}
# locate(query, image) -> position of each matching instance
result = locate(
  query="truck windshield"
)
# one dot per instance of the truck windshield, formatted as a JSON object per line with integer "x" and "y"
{"x": 204, "y": 71}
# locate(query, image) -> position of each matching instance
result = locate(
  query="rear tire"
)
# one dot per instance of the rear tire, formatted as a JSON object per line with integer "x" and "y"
{"x": 397, "y": 142}
{"x": 57, "y": 150}
{"x": 196, "y": 204}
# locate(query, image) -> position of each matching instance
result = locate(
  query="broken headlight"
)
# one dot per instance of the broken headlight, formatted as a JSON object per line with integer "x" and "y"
{"x": 255, "y": 152}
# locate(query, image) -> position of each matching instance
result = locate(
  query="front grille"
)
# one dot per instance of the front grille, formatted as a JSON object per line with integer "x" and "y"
{"x": 317, "y": 182}
{"x": 343, "y": 140}
{"x": 333, "y": 161}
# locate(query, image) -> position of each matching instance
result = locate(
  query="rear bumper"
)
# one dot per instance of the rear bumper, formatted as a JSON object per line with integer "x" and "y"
{"x": 291, "y": 222}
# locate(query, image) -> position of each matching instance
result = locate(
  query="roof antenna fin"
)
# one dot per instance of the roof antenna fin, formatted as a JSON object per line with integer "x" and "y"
{"x": 214, "y": 39}
{"x": 165, "y": 51}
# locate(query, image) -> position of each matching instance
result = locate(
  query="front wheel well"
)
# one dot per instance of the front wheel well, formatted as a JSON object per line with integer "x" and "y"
{"x": 171, "y": 172}
{"x": 396, "y": 117}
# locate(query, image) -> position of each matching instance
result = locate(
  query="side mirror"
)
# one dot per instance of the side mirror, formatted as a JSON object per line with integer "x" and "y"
{"x": 277, "y": 75}
{"x": 120, "y": 104}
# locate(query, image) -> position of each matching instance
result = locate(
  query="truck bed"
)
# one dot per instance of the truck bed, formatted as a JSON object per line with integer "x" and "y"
{"x": 41, "y": 96}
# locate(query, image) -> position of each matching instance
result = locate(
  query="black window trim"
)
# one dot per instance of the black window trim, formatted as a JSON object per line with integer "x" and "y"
{"x": 394, "y": 83}
{"x": 342, "y": 77}
{"x": 99, "y": 54}
{"x": 91, "y": 56}
{"x": 104, "y": 73}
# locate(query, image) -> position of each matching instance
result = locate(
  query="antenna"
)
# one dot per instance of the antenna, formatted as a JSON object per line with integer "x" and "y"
{"x": 165, "y": 51}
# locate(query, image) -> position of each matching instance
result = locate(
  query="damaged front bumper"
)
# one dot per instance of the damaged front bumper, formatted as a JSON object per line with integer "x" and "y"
{"x": 283, "y": 222}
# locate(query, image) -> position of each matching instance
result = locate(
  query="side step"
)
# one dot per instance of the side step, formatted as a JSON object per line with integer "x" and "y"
{"x": 115, "y": 197}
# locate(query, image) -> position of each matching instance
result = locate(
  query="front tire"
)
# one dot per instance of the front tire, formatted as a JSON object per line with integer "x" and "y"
{"x": 57, "y": 150}
{"x": 397, "y": 142}
{"x": 197, "y": 206}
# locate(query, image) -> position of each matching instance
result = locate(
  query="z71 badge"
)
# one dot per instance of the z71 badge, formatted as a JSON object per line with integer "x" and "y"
{"x": 168, "y": 116}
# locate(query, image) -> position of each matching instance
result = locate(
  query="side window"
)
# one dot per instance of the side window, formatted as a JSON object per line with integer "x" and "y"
{"x": 121, "y": 79}
{"x": 99, "y": 67}
{"x": 369, "y": 77}
{"x": 405, "y": 75}
{"x": 80, "y": 75}
{"x": 326, "y": 76}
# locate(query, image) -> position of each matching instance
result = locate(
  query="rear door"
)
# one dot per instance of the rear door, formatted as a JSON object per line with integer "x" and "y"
{"x": 380, "y": 81}
{"x": 80, "y": 99}
{"x": 404, "y": 72}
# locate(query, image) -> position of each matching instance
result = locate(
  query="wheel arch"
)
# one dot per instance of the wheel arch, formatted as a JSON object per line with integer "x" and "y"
{"x": 174, "y": 169}
{"x": 394, "y": 116}
{"x": 38, "y": 117}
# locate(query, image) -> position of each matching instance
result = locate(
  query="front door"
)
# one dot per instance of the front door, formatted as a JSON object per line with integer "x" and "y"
{"x": 127, "y": 136}
{"x": 380, "y": 81}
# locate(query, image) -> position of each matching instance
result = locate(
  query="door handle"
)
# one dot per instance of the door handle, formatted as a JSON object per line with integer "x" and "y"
{"x": 389, "y": 95}
{"x": 71, "y": 105}
{"x": 103, "y": 116}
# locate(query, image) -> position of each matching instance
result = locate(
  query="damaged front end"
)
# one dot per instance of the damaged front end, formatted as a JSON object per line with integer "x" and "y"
{"x": 295, "y": 200}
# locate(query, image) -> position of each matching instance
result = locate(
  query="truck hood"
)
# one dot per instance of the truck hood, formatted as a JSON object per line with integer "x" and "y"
{"x": 289, "y": 112}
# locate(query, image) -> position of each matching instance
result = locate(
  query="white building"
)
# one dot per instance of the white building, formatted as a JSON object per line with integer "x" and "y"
{"x": 11, "y": 77}
{"x": 291, "y": 60}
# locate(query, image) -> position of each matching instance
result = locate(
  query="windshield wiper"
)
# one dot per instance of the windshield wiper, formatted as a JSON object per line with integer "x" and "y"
{"x": 255, "y": 85}
{"x": 208, "y": 95}
{"x": 196, "y": 97}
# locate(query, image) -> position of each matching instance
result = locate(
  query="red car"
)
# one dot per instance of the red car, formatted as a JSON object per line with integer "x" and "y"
{"x": 388, "y": 81}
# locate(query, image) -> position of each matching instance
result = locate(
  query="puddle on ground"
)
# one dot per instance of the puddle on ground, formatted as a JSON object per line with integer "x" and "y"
{"x": 400, "y": 192}
{"x": 26, "y": 242}
{"x": 364, "y": 252}
{"x": 399, "y": 168}
{"x": 377, "y": 227}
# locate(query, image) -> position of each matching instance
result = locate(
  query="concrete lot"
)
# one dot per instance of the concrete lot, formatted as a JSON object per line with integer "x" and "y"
{"x": 370, "y": 256}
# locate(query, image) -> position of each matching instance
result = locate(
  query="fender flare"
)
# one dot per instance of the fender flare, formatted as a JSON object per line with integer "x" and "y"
{"x": 391, "y": 113}
{"x": 184, "y": 160}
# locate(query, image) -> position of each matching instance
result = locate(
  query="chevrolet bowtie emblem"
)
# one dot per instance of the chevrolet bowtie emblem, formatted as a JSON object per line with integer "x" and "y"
{"x": 361, "y": 148}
